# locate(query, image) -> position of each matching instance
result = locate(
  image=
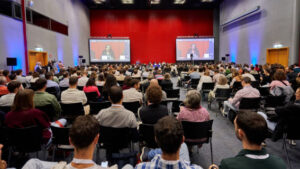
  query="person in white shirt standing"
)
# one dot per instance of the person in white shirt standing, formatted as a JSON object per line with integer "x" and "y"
{"x": 132, "y": 94}
{"x": 8, "y": 99}
{"x": 82, "y": 81}
{"x": 73, "y": 95}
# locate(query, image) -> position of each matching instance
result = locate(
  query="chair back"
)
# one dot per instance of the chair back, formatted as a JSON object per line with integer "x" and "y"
{"x": 257, "y": 77}
{"x": 274, "y": 101}
{"x": 186, "y": 78}
{"x": 237, "y": 86}
{"x": 255, "y": 84}
{"x": 121, "y": 83}
{"x": 146, "y": 134}
{"x": 176, "y": 106}
{"x": 49, "y": 110}
{"x": 196, "y": 132}
{"x": 100, "y": 88}
{"x": 194, "y": 83}
{"x": 132, "y": 106}
{"x": 208, "y": 86}
{"x": 24, "y": 85}
{"x": 27, "y": 140}
{"x": 71, "y": 111}
{"x": 96, "y": 107}
{"x": 165, "y": 102}
{"x": 60, "y": 135}
{"x": 250, "y": 103}
{"x": 92, "y": 96}
{"x": 51, "y": 90}
{"x": 32, "y": 86}
{"x": 264, "y": 91}
{"x": 114, "y": 139}
{"x": 166, "y": 86}
{"x": 80, "y": 88}
{"x": 63, "y": 88}
{"x": 222, "y": 94}
{"x": 172, "y": 93}
{"x": 5, "y": 109}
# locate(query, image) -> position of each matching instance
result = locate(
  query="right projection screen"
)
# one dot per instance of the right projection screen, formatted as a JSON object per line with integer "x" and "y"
{"x": 196, "y": 49}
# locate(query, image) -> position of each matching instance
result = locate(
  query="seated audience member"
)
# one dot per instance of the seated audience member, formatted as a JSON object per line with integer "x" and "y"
{"x": 12, "y": 77}
{"x": 126, "y": 84}
{"x": 42, "y": 98}
{"x": 65, "y": 81}
{"x": 91, "y": 87}
{"x": 83, "y": 135}
{"x": 265, "y": 77}
{"x": 72, "y": 94}
{"x": 279, "y": 80}
{"x": 154, "y": 82}
{"x": 217, "y": 75}
{"x": 158, "y": 75}
{"x": 6, "y": 75}
{"x": 193, "y": 111}
{"x": 132, "y": 94}
{"x": 8, "y": 99}
{"x": 166, "y": 80}
{"x": 35, "y": 77}
{"x": 204, "y": 79}
{"x": 116, "y": 116}
{"x": 29, "y": 76}
{"x": 253, "y": 71}
{"x": 51, "y": 83}
{"x": 222, "y": 84}
{"x": 3, "y": 87}
{"x": 23, "y": 114}
{"x": 121, "y": 76}
{"x": 291, "y": 74}
{"x": 246, "y": 73}
{"x": 146, "y": 73}
{"x": 151, "y": 113}
{"x": 169, "y": 136}
{"x": 236, "y": 77}
{"x": 109, "y": 82}
{"x": 247, "y": 92}
{"x": 100, "y": 81}
{"x": 251, "y": 129}
{"x": 20, "y": 78}
{"x": 136, "y": 74}
{"x": 83, "y": 79}
{"x": 195, "y": 74}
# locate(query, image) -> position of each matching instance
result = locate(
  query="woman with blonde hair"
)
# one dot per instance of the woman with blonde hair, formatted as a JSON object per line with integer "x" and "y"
{"x": 222, "y": 84}
{"x": 236, "y": 77}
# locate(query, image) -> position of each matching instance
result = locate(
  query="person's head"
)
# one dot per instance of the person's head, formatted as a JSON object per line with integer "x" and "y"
{"x": 127, "y": 80}
{"x": 13, "y": 86}
{"x": 206, "y": 73}
{"x": 49, "y": 76}
{"x": 169, "y": 134}
{"x": 110, "y": 81}
{"x": 23, "y": 100}
{"x": 279, "y": 75}
{"x": 167, "y": 76}
{"x": 115, "y": 95}
{"x": 12, "y": 76}
{"x": 154, "y": 94}
{"x": 35, "y": 75}
{"x": 154, "y": 82}
{"x": 73, "y": 82}
{"x": 19, "y": 72}
{"x": 2, "y": 80}
{"x": 193, "y": 99}
{"x": 222, "y": 80}
{"x": 122, "y": 71}
{"x": 41, "y": 84}
{"x": 84, "y": 133}
{"x": 66, "y": 75}
{"x": 135, "y": 83}
{"x": 250, "y": 128}
{"x": 5, "y": 73}
{"x": 246, "y": 81}
{"x": 101, "y": 77}
{"x": 90, "y": 82}
{"x": 297, "y": 94}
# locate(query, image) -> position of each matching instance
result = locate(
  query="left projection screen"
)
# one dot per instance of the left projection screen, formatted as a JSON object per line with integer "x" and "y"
{"x": 109, "y": 50}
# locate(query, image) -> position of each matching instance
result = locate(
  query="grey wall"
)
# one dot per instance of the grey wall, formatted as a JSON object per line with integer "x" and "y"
{"x": 59, "y": 47}
{"x": 248, "y": 39}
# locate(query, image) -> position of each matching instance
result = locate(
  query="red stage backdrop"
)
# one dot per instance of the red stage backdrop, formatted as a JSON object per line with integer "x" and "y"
{"x": 152, "y": 33}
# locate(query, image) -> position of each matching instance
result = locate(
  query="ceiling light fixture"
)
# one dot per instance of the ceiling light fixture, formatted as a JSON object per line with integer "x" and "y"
{"x": 153, "y": 2}
{"x": 99, "y": 1}
{"x": 127, "y": 1}
{"x": 179, "y": 1}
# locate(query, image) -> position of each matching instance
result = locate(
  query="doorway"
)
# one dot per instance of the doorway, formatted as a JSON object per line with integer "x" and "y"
{"x": 278, "y": 55}
{"x": 35, "y": 56}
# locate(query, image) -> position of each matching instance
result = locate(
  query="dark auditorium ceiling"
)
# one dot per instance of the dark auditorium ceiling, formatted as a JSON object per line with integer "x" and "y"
{"x": 151, "y": 4}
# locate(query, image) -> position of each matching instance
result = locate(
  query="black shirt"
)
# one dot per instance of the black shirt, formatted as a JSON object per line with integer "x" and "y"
{"x": 152, "y": 113}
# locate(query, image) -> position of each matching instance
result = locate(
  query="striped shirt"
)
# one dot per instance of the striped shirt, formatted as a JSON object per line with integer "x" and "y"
{"x": 158, "y": 163}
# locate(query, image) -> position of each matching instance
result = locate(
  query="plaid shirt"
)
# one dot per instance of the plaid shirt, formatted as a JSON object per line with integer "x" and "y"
{"x": 158, "y": 163}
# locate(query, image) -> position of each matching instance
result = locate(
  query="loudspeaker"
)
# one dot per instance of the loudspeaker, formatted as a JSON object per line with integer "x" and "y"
{"x": 11, "y": 61}
{"x": 83, "y": 60}
{"x": 80, "y": 57}
{"x": 223, "y": 58}
{"x": 227, "y": 55}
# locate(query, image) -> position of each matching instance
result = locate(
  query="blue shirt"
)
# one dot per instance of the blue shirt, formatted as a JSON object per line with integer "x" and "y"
{"x": 158, "y": 163}
{"x": 195, "y": 75}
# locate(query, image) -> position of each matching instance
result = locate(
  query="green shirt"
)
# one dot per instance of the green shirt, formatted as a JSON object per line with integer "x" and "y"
{"x": 249, "y": 159}
{"x": 44, "y": 98}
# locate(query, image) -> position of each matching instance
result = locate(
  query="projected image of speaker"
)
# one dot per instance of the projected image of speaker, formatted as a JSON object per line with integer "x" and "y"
{"x": 11, "y": 61}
